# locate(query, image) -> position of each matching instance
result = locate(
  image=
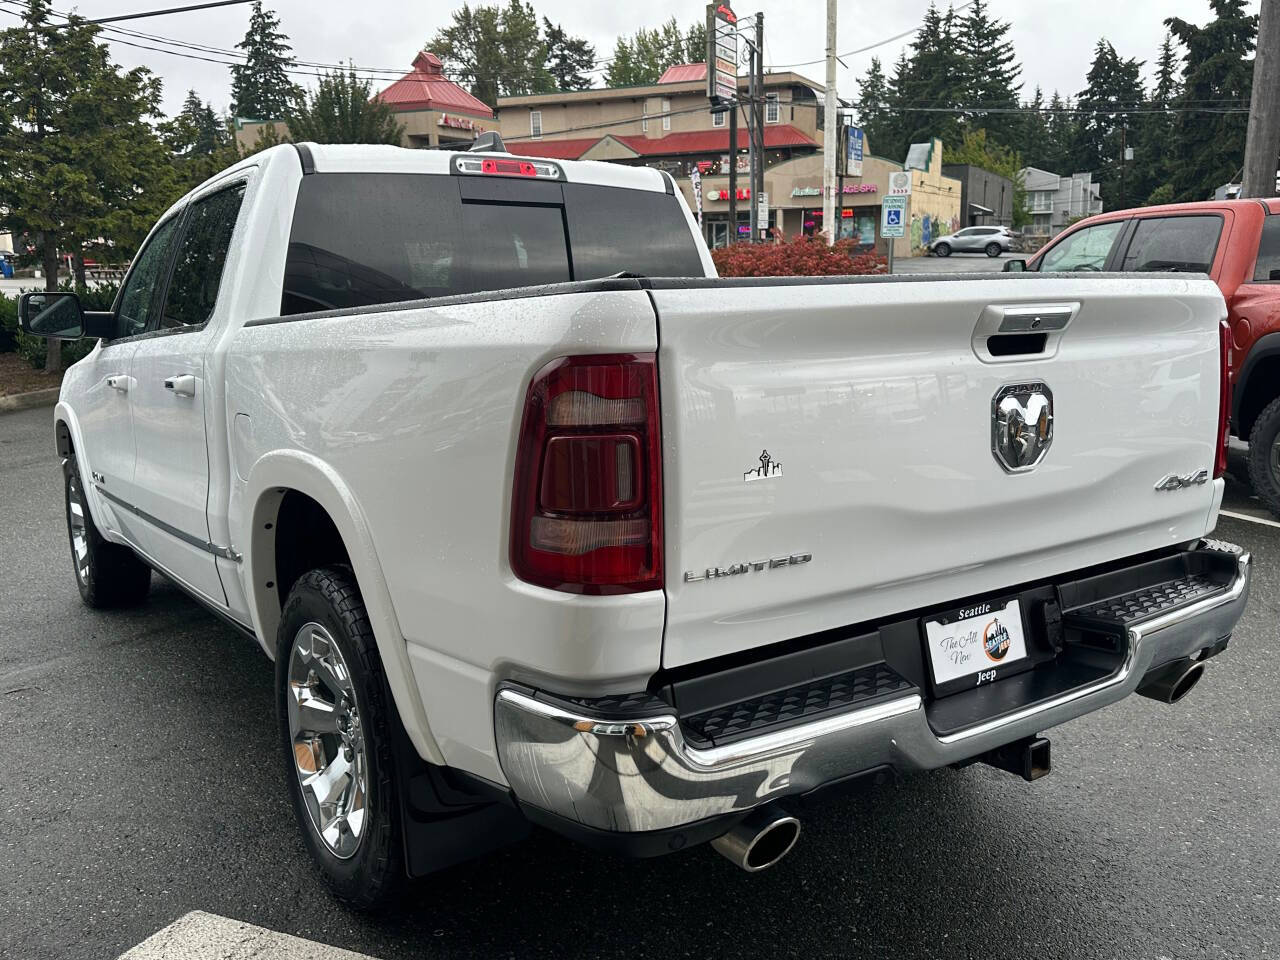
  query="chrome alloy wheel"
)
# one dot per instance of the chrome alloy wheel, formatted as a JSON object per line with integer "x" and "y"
{"x": 79, "y": 536}
{"x": 327, "y": 740}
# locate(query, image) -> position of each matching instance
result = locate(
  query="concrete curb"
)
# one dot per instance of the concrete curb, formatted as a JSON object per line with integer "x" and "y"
{"x": 26, "y": 401}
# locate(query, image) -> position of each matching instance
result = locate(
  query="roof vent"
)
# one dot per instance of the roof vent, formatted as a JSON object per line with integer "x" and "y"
{"x": 488, "y": 142}
{"x": 428, "y": 63}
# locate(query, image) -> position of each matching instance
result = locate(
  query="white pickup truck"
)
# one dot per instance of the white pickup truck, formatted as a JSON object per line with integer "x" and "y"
{"x": 542, "y": 523}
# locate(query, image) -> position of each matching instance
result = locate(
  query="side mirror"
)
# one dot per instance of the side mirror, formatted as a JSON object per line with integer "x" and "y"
{"x": 55, "y": 314}
{"x": 1015, "y": 266}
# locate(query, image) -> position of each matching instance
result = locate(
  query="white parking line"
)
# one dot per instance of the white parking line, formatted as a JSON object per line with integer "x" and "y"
{"x": 205, "y": 936}
{"x": 1244, "y": 516}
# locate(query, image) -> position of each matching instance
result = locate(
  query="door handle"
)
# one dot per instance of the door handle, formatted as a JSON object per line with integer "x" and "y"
{"x": 183, "y": 385}
{"x": 118, "y": 382}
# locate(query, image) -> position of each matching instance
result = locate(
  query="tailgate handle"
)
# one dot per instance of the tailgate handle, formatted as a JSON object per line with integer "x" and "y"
{"x": 1016, "y": 344}
{"x": 1024, "y": 320}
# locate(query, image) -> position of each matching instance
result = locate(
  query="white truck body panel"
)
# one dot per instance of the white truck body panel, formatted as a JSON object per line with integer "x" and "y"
{"x": 873, "y": 399}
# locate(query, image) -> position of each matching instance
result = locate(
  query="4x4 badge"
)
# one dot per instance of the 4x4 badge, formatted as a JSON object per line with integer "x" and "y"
{"x": 1175, "y": 481}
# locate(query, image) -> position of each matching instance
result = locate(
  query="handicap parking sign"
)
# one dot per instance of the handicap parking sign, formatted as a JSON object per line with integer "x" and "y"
{"x": 893, "y": 218}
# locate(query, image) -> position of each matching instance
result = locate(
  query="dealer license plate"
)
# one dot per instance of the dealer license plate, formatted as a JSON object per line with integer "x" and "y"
{"x": 976, "y": 644}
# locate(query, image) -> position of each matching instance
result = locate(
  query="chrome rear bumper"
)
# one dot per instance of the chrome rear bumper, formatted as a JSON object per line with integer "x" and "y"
{"x": 628, "y": 774}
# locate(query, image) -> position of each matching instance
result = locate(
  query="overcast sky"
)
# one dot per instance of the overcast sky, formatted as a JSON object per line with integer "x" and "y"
{"x": 1054, "y": 38}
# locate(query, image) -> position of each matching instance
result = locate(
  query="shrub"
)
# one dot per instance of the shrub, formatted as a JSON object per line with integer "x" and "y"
{"x": 799, "y": 256}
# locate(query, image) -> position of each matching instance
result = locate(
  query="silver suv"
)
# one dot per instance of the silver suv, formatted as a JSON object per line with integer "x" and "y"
{"x": 992, "y": 241}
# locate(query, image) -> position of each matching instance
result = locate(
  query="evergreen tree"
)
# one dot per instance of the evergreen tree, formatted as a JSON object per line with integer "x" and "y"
{"x": 876, "y": 114}
{"x": 1032, "y": 130}
{"x": 200, "y": 142}
{"x": 1206, "y": 144}
{"x": 989, "y": 72}
{"x": 343, "y": 109}
{"x": 1151, "y": 169}
{"x": 81, "y": 167}
{"x": 569, "y": 59}
{"x": 1058, "y": 153}
{"x": 931, "y": 91}
{"x": 1108, "y": 106}
{"x": 260, "y": 87}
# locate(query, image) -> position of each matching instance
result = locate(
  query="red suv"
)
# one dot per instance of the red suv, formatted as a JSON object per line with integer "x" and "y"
{"x": 1237, "y": 243}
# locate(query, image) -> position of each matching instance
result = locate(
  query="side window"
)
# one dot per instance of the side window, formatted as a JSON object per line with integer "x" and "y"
{"x": 1268, "y": 251}
{"x": 1175, "y": 244}
{"x": 1085, "y": 249}
{"x": 202, "y": 253}
{"x": 139, "y": 291}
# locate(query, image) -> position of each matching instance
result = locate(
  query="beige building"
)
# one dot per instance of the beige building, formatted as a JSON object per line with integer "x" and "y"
{"x": 668, "y": 119}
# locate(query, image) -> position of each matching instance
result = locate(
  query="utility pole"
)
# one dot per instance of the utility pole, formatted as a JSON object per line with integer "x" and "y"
{"x": 752, "y": 156}
{"x": 758, "y": 104}
{"x": 1124, "y": 130}
{"x": 1263, "y": 142}
{"x": 831, "y": 131}
{"x": 732, "y": 238}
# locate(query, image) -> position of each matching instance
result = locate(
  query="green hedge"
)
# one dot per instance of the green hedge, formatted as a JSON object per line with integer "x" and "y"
{"x": 34, "y": 349}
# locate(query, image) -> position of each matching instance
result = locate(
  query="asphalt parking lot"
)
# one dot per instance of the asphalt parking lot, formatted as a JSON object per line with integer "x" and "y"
{"x": 142, "y": 782}
{"x": 956, "y": 263}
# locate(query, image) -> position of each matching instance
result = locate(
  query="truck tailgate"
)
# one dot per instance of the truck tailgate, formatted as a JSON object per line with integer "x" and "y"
{"x": 828, "y": 446}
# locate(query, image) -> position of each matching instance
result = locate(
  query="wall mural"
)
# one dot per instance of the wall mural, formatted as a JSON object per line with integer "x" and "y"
{"x": 928, "y": 227}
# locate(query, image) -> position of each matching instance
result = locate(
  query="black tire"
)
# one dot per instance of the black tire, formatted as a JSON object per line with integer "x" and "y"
{"x": 993, "y": 249}
{"x": 108, "y": 574}
{"x": 1264, "y": 467}
{"x": 942, "y": 250}
{"x": 373, "y": 876}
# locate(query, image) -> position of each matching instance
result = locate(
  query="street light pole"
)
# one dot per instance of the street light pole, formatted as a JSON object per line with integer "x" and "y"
{"x": 831, "y": 131}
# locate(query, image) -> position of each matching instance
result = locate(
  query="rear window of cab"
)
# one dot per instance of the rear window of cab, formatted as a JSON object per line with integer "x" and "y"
{"x": 360, "y": 239}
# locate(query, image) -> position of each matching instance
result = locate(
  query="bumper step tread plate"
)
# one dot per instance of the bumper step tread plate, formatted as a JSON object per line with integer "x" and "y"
{"x": 1138, "y": 605}
{"x": 861, "y": 687}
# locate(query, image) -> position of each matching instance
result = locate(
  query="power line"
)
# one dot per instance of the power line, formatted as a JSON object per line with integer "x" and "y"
{"x": 161, "y": 13}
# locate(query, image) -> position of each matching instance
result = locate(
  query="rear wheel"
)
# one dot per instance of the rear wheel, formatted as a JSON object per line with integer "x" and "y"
{"x": 942, "y": 250}
{"x": 107, "y": 574}
{"x": 993, "y": 249}
{"x": 1264, "y": 456}
{"x": 335, "y": 724}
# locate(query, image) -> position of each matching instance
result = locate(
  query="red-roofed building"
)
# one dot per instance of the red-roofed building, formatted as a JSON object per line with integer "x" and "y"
{"x": 436, "y": 111}
{"x": 433, "y": 109}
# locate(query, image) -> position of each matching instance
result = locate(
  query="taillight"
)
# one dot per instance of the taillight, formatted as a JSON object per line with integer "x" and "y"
{"x": 586, "y": 510}
{"x": 1224, "y": 398}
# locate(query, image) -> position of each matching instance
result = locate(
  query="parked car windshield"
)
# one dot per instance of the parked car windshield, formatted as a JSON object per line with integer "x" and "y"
{"x": 1085, "y": 249}
{"x": 370, "y": 238}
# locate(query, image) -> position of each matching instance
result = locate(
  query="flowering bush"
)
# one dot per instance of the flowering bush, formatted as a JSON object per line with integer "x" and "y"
{"x": 799, "y": 256}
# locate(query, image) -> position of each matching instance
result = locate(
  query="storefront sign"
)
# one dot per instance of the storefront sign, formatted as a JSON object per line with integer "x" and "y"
{"x": 722, "y": 53}
{"x": 458, "y": 123}
{"x": 807, "y": 192}
{"x": 743, "y": 193}
{"x": 853, "y": 141}
{"x": 860, "y": 188}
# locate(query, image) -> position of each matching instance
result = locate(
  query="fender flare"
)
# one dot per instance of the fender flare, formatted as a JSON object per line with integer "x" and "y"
{"x": 98, "y": 506}
{"x": 1263, "y": 348}
{"x": 270, "y": 478}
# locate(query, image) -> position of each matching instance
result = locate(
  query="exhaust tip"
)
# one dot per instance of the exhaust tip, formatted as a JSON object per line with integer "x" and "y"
{"x": 759, "y": 842}
{"x": 1172, "y": 682}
